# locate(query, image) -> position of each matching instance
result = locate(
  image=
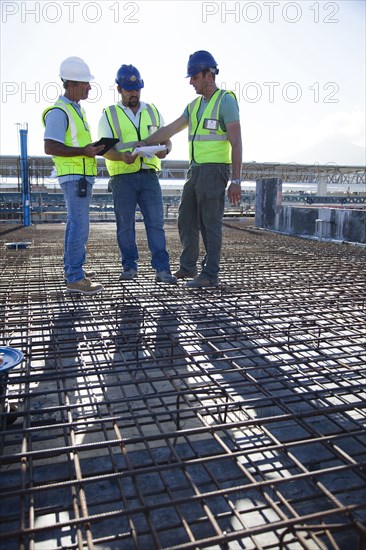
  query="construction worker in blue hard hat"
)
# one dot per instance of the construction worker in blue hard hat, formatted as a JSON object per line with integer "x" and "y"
{"x": 199, "y": 61}
{"x": 68, "y": 139}
{"x": 215, "y": 150}
{"x": 134, "y": 176}
{"x": 129, "y": 78}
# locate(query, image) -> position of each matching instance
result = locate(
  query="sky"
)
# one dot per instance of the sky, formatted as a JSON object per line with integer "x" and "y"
{"x": 297, "y": 68}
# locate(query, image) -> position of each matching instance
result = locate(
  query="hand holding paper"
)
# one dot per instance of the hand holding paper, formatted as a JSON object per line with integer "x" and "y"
{"x": 148, "y": 151}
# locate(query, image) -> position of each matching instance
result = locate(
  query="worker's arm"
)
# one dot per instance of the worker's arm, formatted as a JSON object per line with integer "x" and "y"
{"x": 166, "y": 132}
{"x": 234, "y": 136}
{"x": 125, "y": 156}
{"x": 58, "y": 149}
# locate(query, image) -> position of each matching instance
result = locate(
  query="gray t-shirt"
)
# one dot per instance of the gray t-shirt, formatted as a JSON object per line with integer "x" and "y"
{"x": 229, "y": 110}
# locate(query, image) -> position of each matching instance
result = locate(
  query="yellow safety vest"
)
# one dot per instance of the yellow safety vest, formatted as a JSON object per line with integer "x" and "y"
{"x": 208, "y": 142}
{"x": 127, "y": 133}
{"x": 77, "y": 135}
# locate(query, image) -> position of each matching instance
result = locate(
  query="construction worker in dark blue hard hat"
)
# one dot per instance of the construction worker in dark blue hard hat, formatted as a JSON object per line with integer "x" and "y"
{"x": 129, "y": 78}
{"x": 134, "y": 176}
{"x": 215, "y": 151}
{"x": 199, "y": 61}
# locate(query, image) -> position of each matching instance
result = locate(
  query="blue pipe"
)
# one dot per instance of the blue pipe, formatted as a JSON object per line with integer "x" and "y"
{"x": 25, "y": 177}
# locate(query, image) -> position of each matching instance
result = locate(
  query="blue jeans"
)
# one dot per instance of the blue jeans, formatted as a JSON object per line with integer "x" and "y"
{"x": 201, "y": 210}
{"x": 140, "y": 188}
{"x": 77, "y": 230}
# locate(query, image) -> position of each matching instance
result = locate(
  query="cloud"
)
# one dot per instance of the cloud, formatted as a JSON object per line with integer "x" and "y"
{"x": 344, "y": 125}
{"x": 330, "y": 151}
{"x": 338, "y": 137}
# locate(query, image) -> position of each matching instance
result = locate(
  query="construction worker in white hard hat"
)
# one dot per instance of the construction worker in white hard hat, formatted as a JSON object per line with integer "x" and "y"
{"x": 68, "y": 139}
{"x": 215, "y": 150}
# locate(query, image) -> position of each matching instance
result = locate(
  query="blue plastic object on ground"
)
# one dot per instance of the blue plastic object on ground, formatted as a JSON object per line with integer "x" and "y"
{"x": 9, "y": 358}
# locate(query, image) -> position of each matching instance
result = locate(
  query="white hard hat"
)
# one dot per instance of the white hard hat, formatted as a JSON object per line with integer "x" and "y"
{"x": 74, "y": 68}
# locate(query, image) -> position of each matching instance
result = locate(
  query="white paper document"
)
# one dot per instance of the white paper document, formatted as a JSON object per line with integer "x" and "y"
{"x": 149, "y": 150}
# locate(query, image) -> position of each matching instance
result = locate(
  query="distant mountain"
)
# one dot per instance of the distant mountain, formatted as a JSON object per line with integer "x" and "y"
{"x": 330, "y": 151}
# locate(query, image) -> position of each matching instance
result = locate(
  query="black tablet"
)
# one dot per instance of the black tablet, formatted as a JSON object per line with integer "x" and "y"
{"x": 107, "y": 142}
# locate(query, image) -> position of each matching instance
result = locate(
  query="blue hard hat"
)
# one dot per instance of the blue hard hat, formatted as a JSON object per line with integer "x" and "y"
{"x": 199, "y": 61}
{"x": 129, "y": 78}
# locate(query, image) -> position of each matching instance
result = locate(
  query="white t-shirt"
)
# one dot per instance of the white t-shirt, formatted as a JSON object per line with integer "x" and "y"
{"x": 104, "y": 129}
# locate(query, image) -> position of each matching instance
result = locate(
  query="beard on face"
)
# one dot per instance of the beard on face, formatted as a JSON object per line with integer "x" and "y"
{"x": 133, "y": 101}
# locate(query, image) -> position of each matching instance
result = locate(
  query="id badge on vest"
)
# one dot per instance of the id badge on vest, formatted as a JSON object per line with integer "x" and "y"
{"x": 152, "y": 129}
{"x": 211, "y": 124}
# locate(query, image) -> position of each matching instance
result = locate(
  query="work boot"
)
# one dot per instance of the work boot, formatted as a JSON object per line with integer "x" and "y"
{"x": 202, "y": 281}
{"x": 181, "y": 274}
{"x": 128, "y": 274}
{"x": 165, "y": 277}
{"x": 87, "y": 274}
{"x": 84, "y": 286}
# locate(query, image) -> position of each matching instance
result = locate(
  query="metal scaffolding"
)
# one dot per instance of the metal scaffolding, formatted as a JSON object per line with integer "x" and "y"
{"x": 159, "y": 417}
{"x": 331, "y": 173}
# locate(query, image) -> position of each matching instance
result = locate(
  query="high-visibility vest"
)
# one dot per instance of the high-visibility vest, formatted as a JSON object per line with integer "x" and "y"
{"x": 127, "y": 133}
{"x": 208, "y": 142}
{"x": 77, "y": 135}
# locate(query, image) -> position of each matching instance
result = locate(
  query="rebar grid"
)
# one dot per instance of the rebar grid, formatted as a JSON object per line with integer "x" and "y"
{"x": 154, "y": 416}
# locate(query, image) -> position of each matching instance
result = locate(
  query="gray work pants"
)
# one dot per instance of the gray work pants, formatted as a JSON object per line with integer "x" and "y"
{"x": 201, "y": 210}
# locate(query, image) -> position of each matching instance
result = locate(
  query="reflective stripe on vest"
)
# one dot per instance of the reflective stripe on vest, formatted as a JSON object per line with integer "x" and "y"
{"x": 219, "y": 148}
{"x": 77, "y": 135}
{"x": 124, "y": 129}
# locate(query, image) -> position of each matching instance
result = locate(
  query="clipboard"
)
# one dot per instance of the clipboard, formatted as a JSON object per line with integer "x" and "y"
{"x": 107, "y": 142}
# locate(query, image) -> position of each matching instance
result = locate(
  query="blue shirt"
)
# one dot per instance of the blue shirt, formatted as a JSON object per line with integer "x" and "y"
{"x": 56, "y": 122}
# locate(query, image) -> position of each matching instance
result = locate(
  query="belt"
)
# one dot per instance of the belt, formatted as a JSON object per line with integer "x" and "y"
{"x": 137, "y": 172}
